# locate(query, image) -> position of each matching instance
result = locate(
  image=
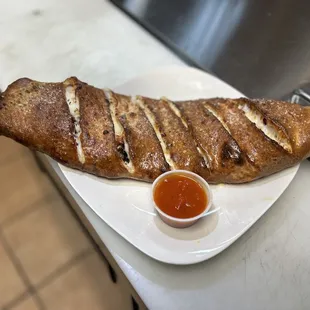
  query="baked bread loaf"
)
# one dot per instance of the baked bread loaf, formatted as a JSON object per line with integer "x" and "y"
{"x": 115, "y": 136}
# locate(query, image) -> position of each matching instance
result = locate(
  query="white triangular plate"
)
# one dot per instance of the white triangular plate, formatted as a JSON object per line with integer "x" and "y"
{"x": 126, "y": 206}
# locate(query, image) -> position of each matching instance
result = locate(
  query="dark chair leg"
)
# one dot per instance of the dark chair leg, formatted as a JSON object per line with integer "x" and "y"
{"x": 112, "y": 274}
{"x": 135, "y": 305}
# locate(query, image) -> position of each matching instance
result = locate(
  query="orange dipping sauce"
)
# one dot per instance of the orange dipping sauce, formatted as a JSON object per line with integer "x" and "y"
{"x": 180, "y": 196}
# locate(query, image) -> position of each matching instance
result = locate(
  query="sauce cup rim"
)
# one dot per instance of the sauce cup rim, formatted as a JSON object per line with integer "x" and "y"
{"x": 195, "y": 177}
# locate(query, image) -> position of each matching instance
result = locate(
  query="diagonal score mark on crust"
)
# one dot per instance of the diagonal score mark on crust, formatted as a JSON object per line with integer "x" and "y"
{"x": 122, "y": 144}
{"x": 178, "y": 113}
{"x": 204, "y": 155}
{"x": 211, "y": 110}
{"x": 175, "y": 110}
{"x": 217, "y": 116}
{"x": 118, "y": 128}
{"x": 149, "y": 115}
{"x": 269, "y": 129}
{"x": 74, "y": 108}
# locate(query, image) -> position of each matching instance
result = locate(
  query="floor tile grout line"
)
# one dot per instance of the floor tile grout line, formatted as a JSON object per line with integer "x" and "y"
{"x": 38, "y": 301}
{"x": 28, "y": 210}
{"x": 78, "y": 219}
{"x": 32, "y": 290}
{"x": 17, "y": 300}
{"x": 19, "y": 268}
{"x": 72, "y": 211}
{"x": 63, "y": 268}
{"x": 22, "y": 298}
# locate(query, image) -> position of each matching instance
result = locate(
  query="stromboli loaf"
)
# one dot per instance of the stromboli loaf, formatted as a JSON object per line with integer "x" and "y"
{"x": 116, "y": 136}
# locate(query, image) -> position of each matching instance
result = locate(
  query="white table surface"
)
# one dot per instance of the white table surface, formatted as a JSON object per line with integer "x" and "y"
{"x": 267, "y": 268}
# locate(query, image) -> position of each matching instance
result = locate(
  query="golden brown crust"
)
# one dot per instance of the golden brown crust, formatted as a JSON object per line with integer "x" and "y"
{"x": 227, "y": 163}
{"x": 36, "y": 114}
{"x": 214, "y": 138}
{"x": 144, "y": 148}
{"x": 253, "y": 107}
{"x": 263, "y": 153}
{"x": 295, "y": 121}
{"x": 179, "y": 142}
{"x": 97, "y": 138}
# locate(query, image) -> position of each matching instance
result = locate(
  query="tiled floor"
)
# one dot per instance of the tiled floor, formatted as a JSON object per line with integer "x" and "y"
{"x": 46, "y": 259}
